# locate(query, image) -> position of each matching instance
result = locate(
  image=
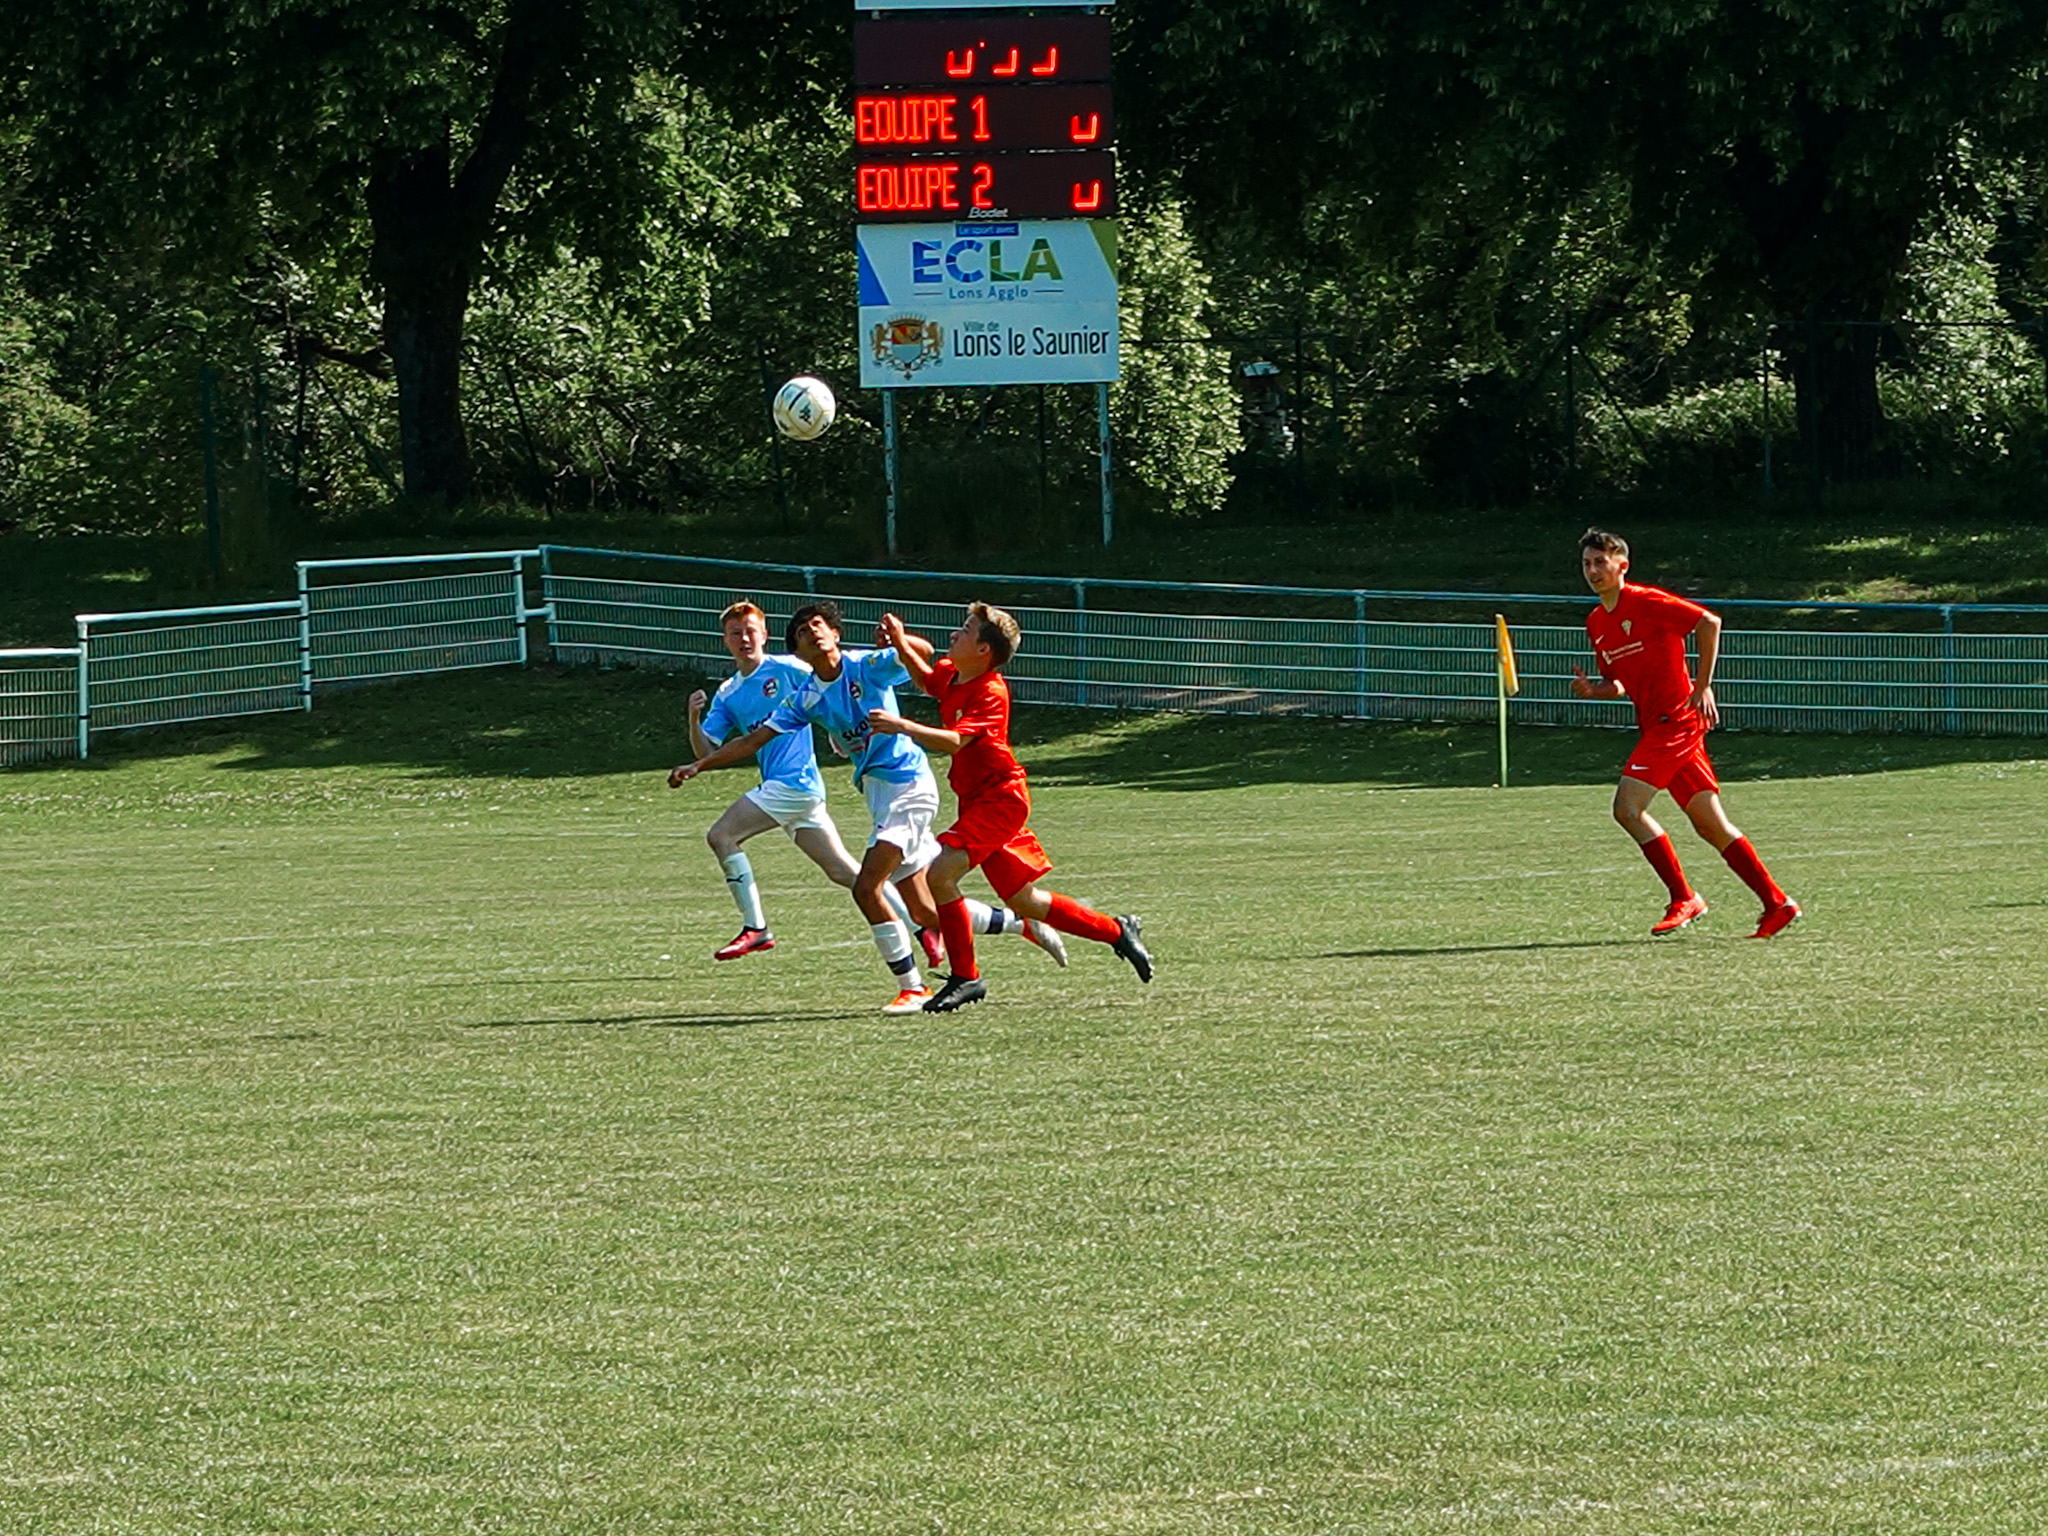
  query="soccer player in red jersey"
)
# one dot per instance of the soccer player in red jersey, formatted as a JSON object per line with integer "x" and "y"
{"x": 993, "y": 830}
{"x": 1638, "y": 634}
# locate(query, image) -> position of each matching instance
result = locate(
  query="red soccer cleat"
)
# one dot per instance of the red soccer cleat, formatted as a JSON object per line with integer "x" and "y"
{"x": 1777, "y": 919}
{"x": 1681, "y": 914}
{"x": 934, "y": 947}
{"x": 749, "y": 940}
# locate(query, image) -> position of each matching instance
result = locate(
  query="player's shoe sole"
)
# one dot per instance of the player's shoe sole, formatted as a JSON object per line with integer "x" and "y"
{"x": 958, "y": 992}
{"x": 1130, "y": 945}
{"x": 934, "y": 948}
{"x": 1680, "y": 914}
{"x": 749, "y": 940}
{"x": 1047, "y": 939}
{"x": 1776, "y": 920}
{"x": 909, "y": 1000}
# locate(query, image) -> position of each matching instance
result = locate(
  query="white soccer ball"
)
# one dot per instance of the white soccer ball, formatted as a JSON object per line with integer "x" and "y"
{"x": 804, "y": 408}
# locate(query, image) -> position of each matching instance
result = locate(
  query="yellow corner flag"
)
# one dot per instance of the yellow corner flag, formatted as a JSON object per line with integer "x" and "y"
{"x": 1508, "y": 680}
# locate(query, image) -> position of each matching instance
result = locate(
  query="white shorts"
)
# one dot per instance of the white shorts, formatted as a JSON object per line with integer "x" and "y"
{"x": 793, "y": 809}
{"x": 903, "y": 815}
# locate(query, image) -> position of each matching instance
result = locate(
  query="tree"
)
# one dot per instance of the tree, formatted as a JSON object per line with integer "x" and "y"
{"x": 1784, "y": 151}
{"x": 409, "y": 139}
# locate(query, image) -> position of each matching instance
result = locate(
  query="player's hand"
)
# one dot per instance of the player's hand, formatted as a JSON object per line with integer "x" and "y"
{"x": 1582, "y": 685}
{"x": 1704, "y": 706}
{"x": 883, "y": 723}
{"x": 682, "y": 773}
{"x": 697, "y": 702}
{"x": 890, "y": 631}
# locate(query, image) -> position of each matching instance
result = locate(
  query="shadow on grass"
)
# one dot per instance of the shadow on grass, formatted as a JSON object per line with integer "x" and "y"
{"x": 664, "y": 1020}
{"x": 1427, "y": 950}
{"x": 547, "y": 723}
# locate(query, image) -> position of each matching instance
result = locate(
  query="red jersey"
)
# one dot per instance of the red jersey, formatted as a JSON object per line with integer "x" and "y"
{"x": 980, "y": 711}
{"x": 1640, "y": 642}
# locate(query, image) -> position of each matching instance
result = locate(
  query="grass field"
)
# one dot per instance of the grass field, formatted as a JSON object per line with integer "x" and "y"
{"x": 385, "y": 1154}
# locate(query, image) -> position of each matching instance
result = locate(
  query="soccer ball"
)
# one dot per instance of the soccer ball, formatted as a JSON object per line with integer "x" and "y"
{"x": 804, "y": 408}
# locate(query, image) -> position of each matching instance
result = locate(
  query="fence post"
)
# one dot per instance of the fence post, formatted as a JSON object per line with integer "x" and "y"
{"x": 519, "y": 603}
{"x": 1358, "y": 644}
{"x": 305, "y": 640}
{"x": 890, "y": 465}
{"x": 84, "y": 692}
{"x": 1108, "y": 485}
{"x": 547, "y": 592}
{"x": 1949, "y": 722}
{"x": 1081, "y": 643}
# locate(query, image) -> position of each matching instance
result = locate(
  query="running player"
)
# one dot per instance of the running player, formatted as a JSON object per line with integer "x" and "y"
{"x": 891, "y": 773}
{"x": 993, "y": 830}
{"x": 1638, "y": 634}
{"x": 791, "y": 793}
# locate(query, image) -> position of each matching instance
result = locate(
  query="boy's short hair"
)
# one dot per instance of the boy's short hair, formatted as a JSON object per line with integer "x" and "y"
{"x": 996, "y": 630}
{"x": 824, "y": 609}
{"x": 741, "y": 610}
{"x": 1600, "y": 538}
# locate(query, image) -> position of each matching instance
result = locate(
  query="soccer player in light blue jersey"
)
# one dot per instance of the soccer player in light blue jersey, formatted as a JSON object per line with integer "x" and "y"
{"x": 893, "y": 775}
{"x": 791, "y": 793}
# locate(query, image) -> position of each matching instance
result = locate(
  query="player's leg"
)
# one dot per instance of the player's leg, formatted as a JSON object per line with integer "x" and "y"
{"x": 1632, "y": 797}
{"x": 1015, "y": 871}
{"x": 819, "y": 839}
{"x": 742, "y": 819}
{"x": 943, "y": 878}
{"x": 1711, "y": 821}
{"x": 899, "y": 849}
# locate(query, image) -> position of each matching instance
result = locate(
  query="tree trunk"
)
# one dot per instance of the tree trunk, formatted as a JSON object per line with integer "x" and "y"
{"x": 1828, "y": 255}
{"x": 426, "y": 264}
{"x": 429, "y": 223}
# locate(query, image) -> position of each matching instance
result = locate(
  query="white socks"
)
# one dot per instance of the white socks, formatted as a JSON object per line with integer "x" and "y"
{"x": 739, "y": 879}
{"x": 892, "y": 943}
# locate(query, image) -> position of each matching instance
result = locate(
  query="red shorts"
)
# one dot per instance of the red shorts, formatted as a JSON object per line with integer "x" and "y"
{"x": 992, "y": 832}
{"x": 1675, "y": 761}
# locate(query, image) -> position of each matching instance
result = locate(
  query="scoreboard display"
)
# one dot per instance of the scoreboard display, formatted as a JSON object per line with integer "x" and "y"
{"x": 983, "y": 117}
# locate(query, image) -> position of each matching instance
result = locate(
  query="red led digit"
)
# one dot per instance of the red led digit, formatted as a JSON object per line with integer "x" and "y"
{"x": 1089, "y": 200}
{"x": 980, "y": 105}
{"x": 1051, "y": 63}
{"x": 959, "y": 67}
{"x": 1090, "y": 133}
{"x": 1009, "y": 66}
{"x": 984, "y": 178}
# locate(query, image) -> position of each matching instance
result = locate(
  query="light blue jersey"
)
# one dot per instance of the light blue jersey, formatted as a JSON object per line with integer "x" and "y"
{"x": 867, "y": 680}
{"x": 743, "y": 703}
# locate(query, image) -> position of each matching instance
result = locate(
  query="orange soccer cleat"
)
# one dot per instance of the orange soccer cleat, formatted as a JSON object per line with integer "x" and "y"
{"x": 1777, "y": 919}
{"x": 1681, "y": 914}
{"x": 909, "y": 1000}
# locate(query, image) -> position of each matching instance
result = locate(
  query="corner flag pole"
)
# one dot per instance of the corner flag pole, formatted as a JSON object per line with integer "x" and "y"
{"x": 1505, "y": 683}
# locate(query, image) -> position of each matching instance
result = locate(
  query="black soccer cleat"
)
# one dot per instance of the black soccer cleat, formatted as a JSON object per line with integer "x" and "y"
{"x": 958, "y": 992}
{"x": 1130, "y": 943}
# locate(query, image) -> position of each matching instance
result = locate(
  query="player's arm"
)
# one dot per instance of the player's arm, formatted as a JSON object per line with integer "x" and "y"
{"x": 1586, "y": 688}
{"x": 1707, "y": 636}
{"x": 700, "y": 744}
{"x": 931, "y": 737}
{"x": 914, "y": 651}
{"x": 738, "y": 750}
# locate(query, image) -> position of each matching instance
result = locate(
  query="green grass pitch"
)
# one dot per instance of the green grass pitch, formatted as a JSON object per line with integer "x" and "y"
{"x": 385, "y": 1154}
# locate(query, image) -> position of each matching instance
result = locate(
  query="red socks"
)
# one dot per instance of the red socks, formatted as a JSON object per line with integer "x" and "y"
{"x": 1742, "y": 859}
{"x": 1663, "y": 859}
{"x": 1069, "y": 916}
{"x": 958, "y": 927}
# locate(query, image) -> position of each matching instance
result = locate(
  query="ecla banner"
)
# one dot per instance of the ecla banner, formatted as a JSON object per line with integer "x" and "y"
{"x": 1002, "y": 302}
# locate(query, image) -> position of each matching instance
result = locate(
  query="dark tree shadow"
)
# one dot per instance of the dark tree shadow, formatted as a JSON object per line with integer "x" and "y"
{"x": 547, "y": 722}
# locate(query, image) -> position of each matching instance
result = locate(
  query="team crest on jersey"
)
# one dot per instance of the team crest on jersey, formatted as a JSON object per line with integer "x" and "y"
{"x": 768, "y": 688}
{"x": 1628, "y": 626}
{"x": 854, "y": 689}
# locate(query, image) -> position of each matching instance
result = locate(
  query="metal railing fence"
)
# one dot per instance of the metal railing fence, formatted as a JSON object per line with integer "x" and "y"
{"x": 1314, "y": 651}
